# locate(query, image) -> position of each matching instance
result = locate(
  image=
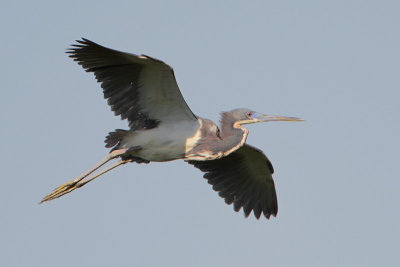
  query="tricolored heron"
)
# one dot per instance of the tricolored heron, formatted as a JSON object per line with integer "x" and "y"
{"x": 144, "y": 91}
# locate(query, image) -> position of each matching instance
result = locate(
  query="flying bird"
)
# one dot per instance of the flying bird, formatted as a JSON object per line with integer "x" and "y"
{"x": 143, "y": 90}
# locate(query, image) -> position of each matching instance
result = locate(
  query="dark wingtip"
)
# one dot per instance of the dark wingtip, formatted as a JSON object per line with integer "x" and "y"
{"x": 257, "y": 212}
{"x": 79, "y": 44}
{"x": 83, "y": 41}
{"x": 268, "y": 213}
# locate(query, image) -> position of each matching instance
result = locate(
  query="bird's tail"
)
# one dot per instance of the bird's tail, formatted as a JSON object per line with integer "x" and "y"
{"x": 114, "y": 138}
{"x": 84, "y": 179}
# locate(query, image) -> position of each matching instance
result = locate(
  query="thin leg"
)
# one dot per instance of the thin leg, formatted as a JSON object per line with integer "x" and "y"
{"x": 79, "y": 181}
{"x": 112, "y": 155}
{"x": 74, "y": 184}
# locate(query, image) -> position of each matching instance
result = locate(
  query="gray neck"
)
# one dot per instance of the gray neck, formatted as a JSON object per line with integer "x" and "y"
{"x": 228, "y": 127}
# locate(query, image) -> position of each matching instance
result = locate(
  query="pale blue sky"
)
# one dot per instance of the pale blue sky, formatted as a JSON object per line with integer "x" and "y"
{"x": 334, "y": 63}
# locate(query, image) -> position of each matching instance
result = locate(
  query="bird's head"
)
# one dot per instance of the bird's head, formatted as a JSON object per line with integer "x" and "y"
{"x": 246, "y": 116}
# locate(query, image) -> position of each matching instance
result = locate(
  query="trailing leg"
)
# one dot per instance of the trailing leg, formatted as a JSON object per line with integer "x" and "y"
{"x": 84, "y": 179}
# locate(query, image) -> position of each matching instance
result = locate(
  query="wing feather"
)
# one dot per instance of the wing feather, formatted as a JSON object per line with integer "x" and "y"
{"x": 243, "y": 178}
{"x": 138, "y": 88}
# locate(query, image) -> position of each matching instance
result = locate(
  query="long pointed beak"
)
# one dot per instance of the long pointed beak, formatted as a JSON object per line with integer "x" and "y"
{"x": 264, "y": 118}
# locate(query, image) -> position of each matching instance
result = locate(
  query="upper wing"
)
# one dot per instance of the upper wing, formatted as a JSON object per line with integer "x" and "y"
{"x": 139, "y": 88}
{"x": 243, "y": 178}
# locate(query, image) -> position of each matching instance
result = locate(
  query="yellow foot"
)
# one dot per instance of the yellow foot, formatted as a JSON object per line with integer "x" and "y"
{"x": 62, "y": 190}
{"x": 82, "y": 180}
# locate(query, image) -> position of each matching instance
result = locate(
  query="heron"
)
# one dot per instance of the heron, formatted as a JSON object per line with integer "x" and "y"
{"x": 143, "y": 90}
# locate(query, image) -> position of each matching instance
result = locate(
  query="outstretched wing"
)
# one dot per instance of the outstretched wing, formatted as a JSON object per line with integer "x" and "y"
{"x": 243, "y": 178}
{"x": 139, "y": 88}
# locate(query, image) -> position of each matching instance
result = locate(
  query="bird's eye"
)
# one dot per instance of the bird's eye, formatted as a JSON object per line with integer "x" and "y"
{"x": 249, "y": 114}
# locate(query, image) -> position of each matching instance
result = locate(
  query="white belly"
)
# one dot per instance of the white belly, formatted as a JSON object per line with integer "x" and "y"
{"x": 163, "y": 143}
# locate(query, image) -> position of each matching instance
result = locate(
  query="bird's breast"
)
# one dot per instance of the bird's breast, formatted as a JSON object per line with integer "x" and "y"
{"x": 210, "y": 146}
